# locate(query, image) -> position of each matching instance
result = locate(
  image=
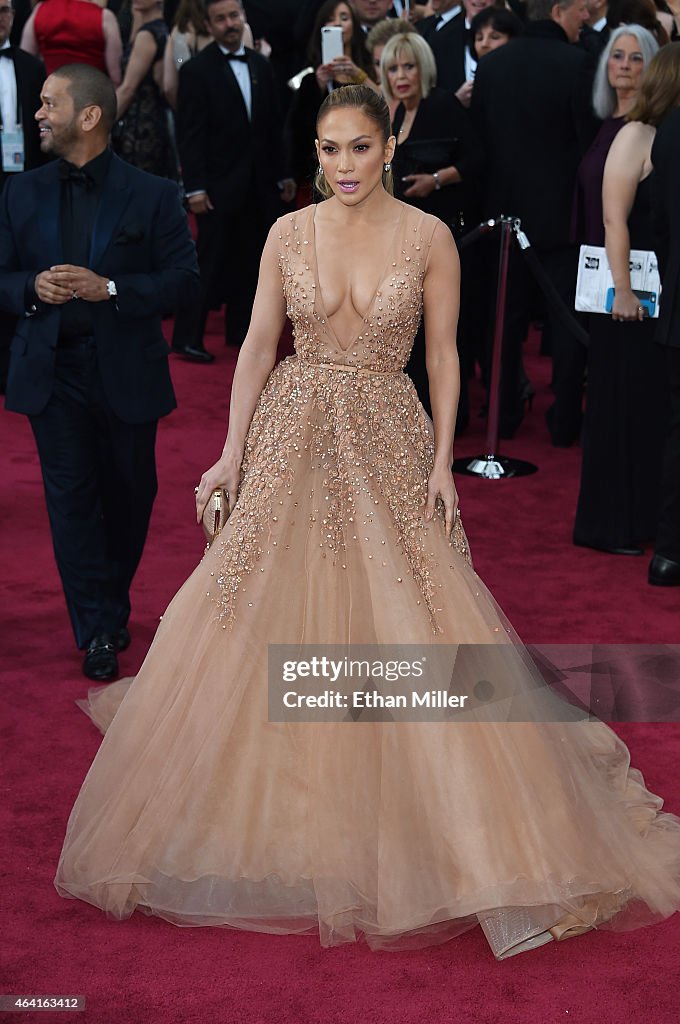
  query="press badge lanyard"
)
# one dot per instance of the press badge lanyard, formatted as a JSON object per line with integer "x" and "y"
{"x": 12, "y": 144}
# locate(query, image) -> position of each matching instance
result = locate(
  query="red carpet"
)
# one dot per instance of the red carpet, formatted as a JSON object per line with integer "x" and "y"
{"x": 145, "y": 970}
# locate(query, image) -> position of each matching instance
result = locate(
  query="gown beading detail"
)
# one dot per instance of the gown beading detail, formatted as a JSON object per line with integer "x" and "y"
{"x": 200, "y": 810}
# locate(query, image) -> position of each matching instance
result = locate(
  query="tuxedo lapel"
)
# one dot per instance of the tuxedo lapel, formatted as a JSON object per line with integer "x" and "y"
{"x": 115, "y": 197}
{"x": 255, "y": 88}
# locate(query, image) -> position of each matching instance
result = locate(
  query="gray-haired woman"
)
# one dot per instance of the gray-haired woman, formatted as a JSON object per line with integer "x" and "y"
{"x": 617, "y": 83}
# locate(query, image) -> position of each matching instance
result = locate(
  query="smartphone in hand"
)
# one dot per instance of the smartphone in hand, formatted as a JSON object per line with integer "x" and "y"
{"x": 331, "y": 43}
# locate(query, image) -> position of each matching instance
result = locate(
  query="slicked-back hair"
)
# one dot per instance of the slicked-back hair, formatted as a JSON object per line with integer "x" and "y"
{"x": 211, "y": 3}
{"x": 370, "y": 103}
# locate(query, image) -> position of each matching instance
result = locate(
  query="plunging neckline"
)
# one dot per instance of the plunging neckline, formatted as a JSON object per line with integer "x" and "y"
{"x": 319, "y": 294}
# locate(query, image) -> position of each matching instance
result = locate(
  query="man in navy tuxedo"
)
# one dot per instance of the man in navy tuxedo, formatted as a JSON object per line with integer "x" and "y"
{"x": 92, "y": 253}
{"x": 21, "y": 78}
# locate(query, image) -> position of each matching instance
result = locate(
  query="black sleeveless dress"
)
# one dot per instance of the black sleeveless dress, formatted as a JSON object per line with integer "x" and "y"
{"x": 624, "y": 429}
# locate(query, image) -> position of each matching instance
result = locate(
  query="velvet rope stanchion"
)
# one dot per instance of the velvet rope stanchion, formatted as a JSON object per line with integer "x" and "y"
{"x": 492, "y": 465}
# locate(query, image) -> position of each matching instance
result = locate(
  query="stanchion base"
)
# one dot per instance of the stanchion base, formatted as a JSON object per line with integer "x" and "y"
{"x": 493, "y": 467}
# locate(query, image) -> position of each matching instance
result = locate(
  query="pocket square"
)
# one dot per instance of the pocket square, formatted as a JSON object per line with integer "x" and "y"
{"x": 129, "y": 235}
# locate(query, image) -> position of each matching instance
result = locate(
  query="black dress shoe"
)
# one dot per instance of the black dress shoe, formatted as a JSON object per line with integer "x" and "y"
{"x": 623, "y": 550}
{"x": 121, "y": 638}
{"x": 195, "y": 355}
{"x": 664, "y": 572}
{"x": 100, "y": 662}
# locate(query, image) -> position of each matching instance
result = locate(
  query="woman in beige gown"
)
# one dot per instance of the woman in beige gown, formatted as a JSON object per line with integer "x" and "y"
{"x": 202, "y": 808}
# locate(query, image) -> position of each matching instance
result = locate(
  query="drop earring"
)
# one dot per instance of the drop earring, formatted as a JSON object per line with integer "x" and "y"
{"x": 387, "y": 167}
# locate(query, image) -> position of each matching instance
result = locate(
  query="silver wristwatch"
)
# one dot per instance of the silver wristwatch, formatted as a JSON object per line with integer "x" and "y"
{"x": 111, "y": 289}
{"x": 437, "y": 182}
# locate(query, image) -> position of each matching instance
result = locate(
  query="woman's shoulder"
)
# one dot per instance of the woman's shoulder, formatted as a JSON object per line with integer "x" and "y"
{"x": 634, "y": 140}
{"x": 294, "y": 221}
{"x": 418, "y": 220}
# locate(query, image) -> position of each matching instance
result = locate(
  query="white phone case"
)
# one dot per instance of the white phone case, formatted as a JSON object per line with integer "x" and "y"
{"x": 331, "y": 43}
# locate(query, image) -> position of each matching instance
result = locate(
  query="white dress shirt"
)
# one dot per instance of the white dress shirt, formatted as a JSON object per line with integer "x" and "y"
{"x": 470, "y": 62}
{"x": 8, "y": 93}
{"x": 446, "y": 17}
{"x": 242, "y": 76}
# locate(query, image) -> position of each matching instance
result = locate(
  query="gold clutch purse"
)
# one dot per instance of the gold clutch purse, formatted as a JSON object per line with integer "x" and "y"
{"x": 215, "y": 514}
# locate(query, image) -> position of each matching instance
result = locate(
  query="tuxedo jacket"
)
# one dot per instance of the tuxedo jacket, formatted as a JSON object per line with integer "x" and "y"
{"x": 30, "y": 75}
{"x": 533, "y": 121}
{"x": 221, "y": 150}
{"x": 448, "y": 45}
{"x": 141, "y": 241}
{"x": 666, "y": 214}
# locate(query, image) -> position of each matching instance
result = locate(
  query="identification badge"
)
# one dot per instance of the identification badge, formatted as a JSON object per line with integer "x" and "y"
{"x": 12, "y": 150}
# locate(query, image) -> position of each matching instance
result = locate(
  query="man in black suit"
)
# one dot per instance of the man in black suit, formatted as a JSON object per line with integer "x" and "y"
{"x": 448, "y": 33}
{"x": 664, "y": 569}
{"x": 231, "y": 150}
{"x": 21, "y": 76}
{"x": 531, "y": 110}
{"x": 92, "y": 253}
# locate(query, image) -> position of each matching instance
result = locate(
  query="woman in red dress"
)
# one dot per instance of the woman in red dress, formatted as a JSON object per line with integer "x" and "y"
{"x": 74, "y": 32}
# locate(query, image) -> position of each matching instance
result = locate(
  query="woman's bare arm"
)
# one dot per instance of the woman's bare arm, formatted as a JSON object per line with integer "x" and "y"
{"x": 29, "y": 41}
{"x": 441, "y": 298}
{"x": 627, "y": 164}
{"x": 170, "y": 71}
{"x": 255, "y": 362}
{"x": 113, "y": 46}
{"x": 142, "y": 58}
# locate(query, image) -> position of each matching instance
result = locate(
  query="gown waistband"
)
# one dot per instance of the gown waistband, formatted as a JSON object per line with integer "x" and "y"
{"x": 350, "y": 369}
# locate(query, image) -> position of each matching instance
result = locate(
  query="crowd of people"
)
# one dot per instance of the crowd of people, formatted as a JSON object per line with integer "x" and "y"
{"x": 543, "y": 111}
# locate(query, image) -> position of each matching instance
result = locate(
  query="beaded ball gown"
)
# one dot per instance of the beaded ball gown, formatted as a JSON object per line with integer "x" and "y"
{"x": 199, "y": 809}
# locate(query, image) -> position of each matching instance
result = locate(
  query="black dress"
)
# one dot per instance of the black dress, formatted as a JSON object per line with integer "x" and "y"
{"x": 440, "y": 136}
{"x": 143, "y": 135}
{"x": 625, "y": 419}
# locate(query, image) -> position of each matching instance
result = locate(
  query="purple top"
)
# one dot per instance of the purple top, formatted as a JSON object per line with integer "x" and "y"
{"x": 587, "y": 219}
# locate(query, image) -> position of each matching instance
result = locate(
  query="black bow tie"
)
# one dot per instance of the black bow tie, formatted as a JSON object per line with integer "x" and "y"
{"x": 67, "y": 172}
{"x": 237, "y": 56}
{"x": 7, "y": 51}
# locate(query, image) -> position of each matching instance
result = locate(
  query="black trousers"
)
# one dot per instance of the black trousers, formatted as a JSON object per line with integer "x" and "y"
{"x": 668, "y": 529}
{"x": 100, "y": 483}
{"x": 568, "y": 354}
{"x": 229, "y": 245}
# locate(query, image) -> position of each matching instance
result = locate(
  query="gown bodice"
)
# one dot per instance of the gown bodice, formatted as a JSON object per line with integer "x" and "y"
{"x": 390, "y": 322}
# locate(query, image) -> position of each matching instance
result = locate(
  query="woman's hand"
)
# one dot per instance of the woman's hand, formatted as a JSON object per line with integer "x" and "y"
{"x": 225, "y": 473}
{"x": 324, "y": 75}
{"x": 627, "y": 306}
{"x": 440, "y": 485}
{"x": 464, "y": 94}
{"x": 340, "y": 69}
{"x": 421, "y": 185}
